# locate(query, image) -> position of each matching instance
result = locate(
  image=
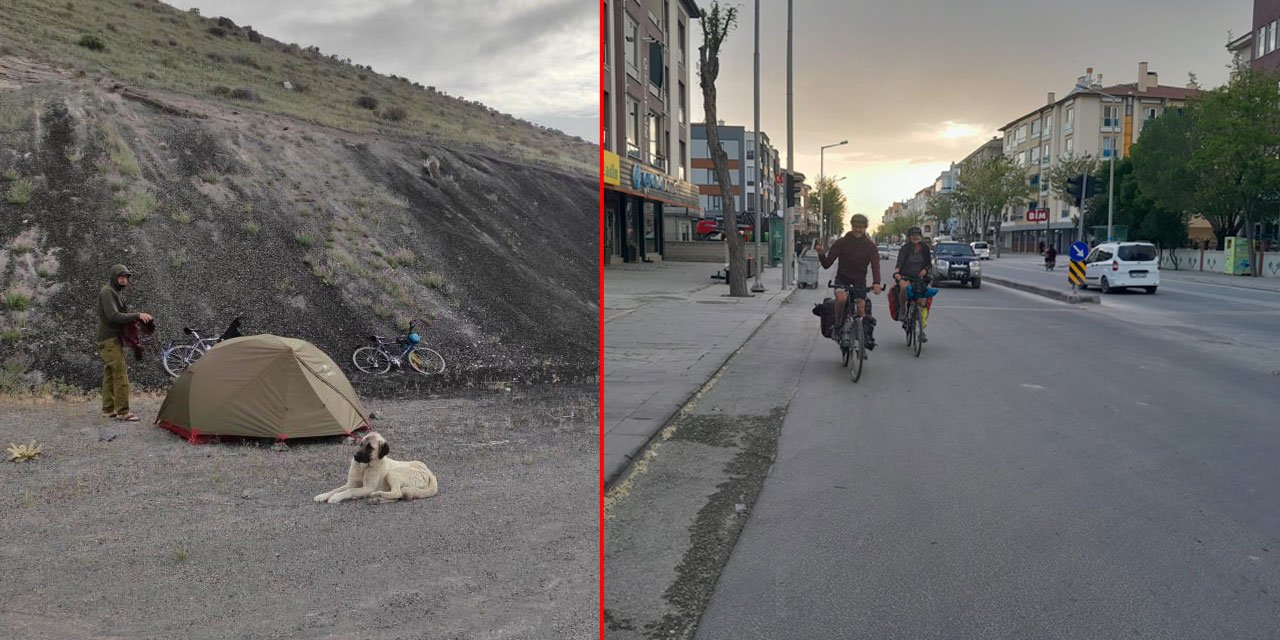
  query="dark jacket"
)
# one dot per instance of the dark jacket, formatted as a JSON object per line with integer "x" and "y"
{"x": 854, "y": 254}
{"x": 113, "y": 307}
{"x": 904, "y": 254}
{"x": 131, "y": 335}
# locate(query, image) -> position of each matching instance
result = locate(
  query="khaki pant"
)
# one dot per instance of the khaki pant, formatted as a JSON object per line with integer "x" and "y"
{"x": 115, "y": 377}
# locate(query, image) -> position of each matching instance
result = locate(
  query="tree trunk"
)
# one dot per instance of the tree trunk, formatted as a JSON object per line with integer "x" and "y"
{"x": 708, "y": 71}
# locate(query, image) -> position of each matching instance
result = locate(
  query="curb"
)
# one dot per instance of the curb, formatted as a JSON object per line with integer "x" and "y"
{"x": 625, "y": 470}
{"x": 1055, "y": 294}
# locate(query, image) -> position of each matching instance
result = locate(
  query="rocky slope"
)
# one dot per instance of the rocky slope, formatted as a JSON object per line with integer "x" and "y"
{"x": 307, "y": 230}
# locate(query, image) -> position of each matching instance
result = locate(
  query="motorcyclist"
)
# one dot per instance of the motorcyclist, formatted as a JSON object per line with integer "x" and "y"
{"x": 855, "y": 251}
{"x": 1050, "y": 257}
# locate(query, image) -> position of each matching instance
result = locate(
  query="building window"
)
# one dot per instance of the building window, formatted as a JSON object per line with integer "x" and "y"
{"x": 1035, "y": 155}
{"x": 656, "y": 148}
{"x": 1110, "y": 116}
{"x": 1071, "y": 120}
{"x": 684, "y": 159}
{"x": 1047, "y": 129}
{"x": 751, "y": 149}
{"x": 715, "y": 203}
{"x": 681, "y": 106}
{"x": 608, "y": 55}
{"x": 1022, "y": 134}
{"x": 632, "y": 45}
{"x": 633, "y": 127}
{"x": 1035, "y": 129}
{"x": 681, "y": 47}
{"x": 1069, "y": 147}
{"x": 1108, "y": 146}
{"x": 605, "y": 120}
{"x": 1151, "y": 113}
{"x": 751, "y": 175}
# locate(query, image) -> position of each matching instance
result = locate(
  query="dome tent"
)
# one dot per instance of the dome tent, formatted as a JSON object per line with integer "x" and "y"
{"x": 262, "y": 386}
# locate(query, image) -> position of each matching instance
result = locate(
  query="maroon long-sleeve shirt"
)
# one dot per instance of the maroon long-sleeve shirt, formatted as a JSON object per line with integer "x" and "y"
{"x": 854, "y": 254}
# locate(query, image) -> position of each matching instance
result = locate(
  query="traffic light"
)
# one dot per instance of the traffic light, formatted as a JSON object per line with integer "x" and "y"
{"x": 1092, "y": 186}
{"x": 794, "y": 182}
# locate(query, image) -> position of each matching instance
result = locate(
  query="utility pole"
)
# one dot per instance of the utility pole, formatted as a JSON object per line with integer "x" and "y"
{"x": 757, "y": 287}
{"x": 788, "y": 234}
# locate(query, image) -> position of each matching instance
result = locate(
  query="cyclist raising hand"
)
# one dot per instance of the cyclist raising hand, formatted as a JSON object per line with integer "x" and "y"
{"x": 855, "y": 251}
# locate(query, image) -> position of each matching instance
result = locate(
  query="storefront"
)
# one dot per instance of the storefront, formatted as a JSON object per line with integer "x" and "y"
{"x": 634, "y": 197}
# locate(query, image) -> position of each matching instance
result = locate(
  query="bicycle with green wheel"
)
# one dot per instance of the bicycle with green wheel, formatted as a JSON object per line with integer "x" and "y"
{"x": 914, "y": 310}
{"x": 386, "y": 352}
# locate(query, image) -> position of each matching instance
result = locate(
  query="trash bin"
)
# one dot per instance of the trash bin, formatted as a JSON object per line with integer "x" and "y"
{"x": 1236, "y": 257}
{"x": 807, "y": 267}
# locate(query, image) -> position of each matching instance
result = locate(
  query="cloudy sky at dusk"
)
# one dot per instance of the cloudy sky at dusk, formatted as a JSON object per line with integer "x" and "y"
{"x": 915, "y": 86}
{"x": 535, "y": 59}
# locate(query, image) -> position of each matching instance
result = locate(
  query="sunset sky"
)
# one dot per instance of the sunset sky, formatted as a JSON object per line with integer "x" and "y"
{"x": 915, "y": 86}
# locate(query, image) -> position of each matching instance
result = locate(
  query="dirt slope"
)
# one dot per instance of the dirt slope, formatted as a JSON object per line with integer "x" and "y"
{"x": 307, "y": 231}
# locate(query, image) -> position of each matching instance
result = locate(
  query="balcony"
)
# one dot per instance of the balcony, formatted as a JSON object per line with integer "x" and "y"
{"x": 1110, "y": 124}
{"x": 633, "y": 151}
{"x": 659, "y": 162}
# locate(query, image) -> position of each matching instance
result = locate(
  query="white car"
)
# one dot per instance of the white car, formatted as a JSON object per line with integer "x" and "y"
{"x": 884, "y": 252}
{"x": 982, "y": 249}
{"x": 1118, "y": 265}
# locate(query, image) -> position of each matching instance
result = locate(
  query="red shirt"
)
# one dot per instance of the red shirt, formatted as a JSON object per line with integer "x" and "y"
{"x": 854, "y": 254}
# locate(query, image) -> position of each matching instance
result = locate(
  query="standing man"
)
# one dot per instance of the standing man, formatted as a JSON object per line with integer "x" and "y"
{"x": 113, "y": 315}
{"x": 856, "y": 252}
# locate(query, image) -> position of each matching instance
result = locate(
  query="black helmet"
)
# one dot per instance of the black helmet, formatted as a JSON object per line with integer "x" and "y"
{"x": 914, "y": 231}
{"x": 858, "y": 219}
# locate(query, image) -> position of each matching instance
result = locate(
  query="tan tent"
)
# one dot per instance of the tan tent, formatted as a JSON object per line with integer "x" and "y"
{"x": 262, "y": 386}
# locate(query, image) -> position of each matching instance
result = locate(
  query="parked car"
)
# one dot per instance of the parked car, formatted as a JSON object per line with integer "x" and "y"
{"x": 956, "y": 262}
{"x": 982, "y": 249}
{"x": 1118, "y": 265}
{"x": 884, "y": 252}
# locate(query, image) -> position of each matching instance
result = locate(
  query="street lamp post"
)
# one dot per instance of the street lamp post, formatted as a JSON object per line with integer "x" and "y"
{"x": 1110, "y": 182}
{"x": 757, "y": 287}
{"x": 822, "y": 200}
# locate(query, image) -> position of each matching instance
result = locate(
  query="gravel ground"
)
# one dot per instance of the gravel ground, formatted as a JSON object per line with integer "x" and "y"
{"x": 145, "y": 536}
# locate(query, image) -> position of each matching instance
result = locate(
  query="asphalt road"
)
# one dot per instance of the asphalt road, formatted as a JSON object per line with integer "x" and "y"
{"x": 1043, "y": 470}
{"x": 1214, "y": 317}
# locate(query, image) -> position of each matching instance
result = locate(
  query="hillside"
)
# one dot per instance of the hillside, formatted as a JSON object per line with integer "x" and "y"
{"x": 311, "y": 217}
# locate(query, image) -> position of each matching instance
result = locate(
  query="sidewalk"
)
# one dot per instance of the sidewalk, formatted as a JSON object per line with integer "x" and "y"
{"x": 668, "y": 329}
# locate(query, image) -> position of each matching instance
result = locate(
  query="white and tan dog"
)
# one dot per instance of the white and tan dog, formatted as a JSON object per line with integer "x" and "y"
{"x": 374, "y": 475}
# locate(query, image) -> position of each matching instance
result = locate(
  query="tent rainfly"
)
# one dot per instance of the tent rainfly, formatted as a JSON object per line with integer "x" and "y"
{"x": 262, "y": 386}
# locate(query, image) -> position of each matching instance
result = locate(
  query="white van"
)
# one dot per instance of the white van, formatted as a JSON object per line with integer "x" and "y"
{"x": 982, "y": 249}
{"x": 1117, "y": 265}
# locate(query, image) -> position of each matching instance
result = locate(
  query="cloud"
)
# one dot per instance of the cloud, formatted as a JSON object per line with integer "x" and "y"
{"x": 536, "y": 59}
{"x": 951, "y": 133}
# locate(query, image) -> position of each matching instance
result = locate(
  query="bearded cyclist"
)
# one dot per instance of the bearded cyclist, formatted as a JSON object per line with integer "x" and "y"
{"x": 855, "y": 251}
{"x": 913, "y": 260}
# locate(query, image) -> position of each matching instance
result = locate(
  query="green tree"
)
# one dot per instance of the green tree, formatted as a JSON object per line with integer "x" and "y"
{"x": 1237, "y": 158}
{"x": 827, "y": 198}
{"x": 940, "y": 208}
{"x": 988, "y": 187}
{"x": 1146, "y": 219}
{"x": 716, "y": 24}
{"x": 1163, "y": 169}
{"x": 1066, "y": 168}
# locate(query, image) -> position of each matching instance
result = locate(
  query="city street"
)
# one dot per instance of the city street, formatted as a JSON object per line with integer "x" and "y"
{"x": 1042, "y": 470}
{"x": 1210, "y": 311}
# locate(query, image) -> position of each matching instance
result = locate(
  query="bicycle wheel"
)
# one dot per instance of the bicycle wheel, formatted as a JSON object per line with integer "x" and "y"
{"x": 910, "y": 327}
{"x": 176, "y": 359}
{"x": 427, "y": 361}
{"x": 371, "y": 360}
{"x": 856, "y": 371}
{"x": 844, "y": 345}
{"x": 919, "y": 325}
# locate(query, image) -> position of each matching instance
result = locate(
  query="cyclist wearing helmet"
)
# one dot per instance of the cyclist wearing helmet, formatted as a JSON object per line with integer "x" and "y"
{"x": 855, "y": 251}
{"x": 913, "y": 259}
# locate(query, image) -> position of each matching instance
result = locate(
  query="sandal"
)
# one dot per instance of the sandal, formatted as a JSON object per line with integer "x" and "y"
{"x": 128, "y": 417}
{"x": 109, "y": 415}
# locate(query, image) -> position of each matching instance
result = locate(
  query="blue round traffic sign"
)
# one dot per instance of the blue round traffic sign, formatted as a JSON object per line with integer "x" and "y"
{"x": 1079, "y": 250}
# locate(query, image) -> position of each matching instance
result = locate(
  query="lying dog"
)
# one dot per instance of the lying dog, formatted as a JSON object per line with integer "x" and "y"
{"x": 374, "y": 475}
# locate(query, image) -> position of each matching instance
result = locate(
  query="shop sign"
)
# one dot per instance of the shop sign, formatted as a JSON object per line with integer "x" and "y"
{"x": 612, "y": 168}
{"x": 641, "y": 179}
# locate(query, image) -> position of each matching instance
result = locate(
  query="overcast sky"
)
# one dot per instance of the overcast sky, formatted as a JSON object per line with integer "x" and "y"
{"x": 917, "y": 85}
{"x": 535, "y": 59}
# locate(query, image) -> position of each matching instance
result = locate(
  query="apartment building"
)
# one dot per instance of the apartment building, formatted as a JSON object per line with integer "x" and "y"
{"x": 1093, "y": 119}
{"x": 645, "y": 124}
{"x": 1260, "y": 47}
{"x": 989, "y": 149}
{"x": 748, "y": 170}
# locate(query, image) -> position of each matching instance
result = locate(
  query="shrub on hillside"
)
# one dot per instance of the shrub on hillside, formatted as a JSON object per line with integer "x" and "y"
{"x": 217, "y": 31}
{"x": 394, "y": 114}
{"x": 367, "y": 102}
{"x": 92, "y": 42}
{"x": 245, "y": 94}
{"x": 222, "y": 90}
{"x": 20, "y": 191}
